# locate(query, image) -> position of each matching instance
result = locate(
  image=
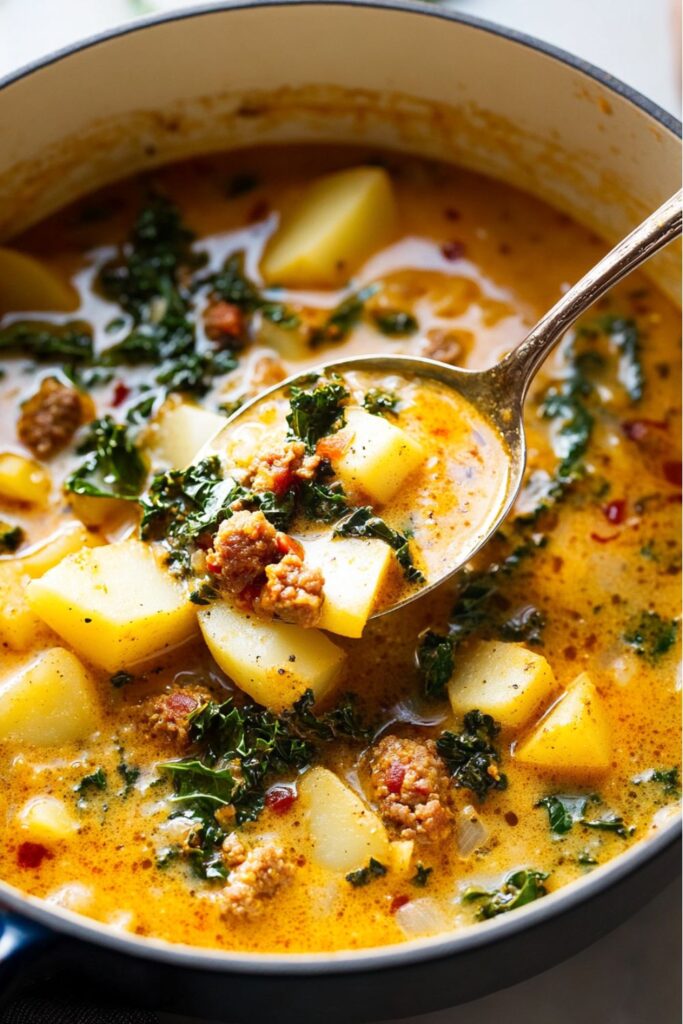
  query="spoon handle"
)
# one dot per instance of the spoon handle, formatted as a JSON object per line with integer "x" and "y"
{"x": 663, "y": 226}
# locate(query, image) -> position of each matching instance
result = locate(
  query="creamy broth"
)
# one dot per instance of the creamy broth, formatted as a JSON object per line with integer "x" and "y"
{"x": 585, "y": 576}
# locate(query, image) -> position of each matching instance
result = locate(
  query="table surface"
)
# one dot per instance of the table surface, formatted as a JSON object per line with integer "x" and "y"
{"x": 633, "y": 975}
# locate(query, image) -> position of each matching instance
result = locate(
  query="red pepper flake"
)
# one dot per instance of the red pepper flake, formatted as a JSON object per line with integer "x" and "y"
{"x": 396, "y": 773}
{"x": 638, "y": 430}
{"x": 259, "y": 211}
{"x": 450, "y": 213}
{"x": 603, "y": 540}
{"x": 398, "y": 902}
{"x": 287, "y": 545}
{"x": 280, "y": 798}
{"x": 32, "y": 855}
{"x": 673, "y": 474}
{"x": 453, "y": 250}
{"x": 615, "y": 511}
{"x": 121, "y": 393}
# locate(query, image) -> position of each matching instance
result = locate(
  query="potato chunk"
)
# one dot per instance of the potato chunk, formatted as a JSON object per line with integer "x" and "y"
{"x": 274, "y": 662}
{"x": 20, "y": 627}
{"x": 180, "y": 432}
{"x": 27, "y": 284}
{"x": 354, "y": 570}
{"x": 49, "y": 701}
{"x": 23, "y": 480}
{"x": 340, "y": 220}
{"x": 69, "y": 539}
{"x": 504, "y": 680}
{"x": 46, "y": 819}
{"x": 574, "y": 736}
{"x": 379, "y": 457}
{"x": 344, "y": 831}
{"x": 115, "y": 604}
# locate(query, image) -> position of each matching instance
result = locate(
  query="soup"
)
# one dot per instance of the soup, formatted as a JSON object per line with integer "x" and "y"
{"x": 205, "y": 734}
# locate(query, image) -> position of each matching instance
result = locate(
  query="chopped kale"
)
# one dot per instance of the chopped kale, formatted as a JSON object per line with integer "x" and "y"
{"x": 96, "y": 780}
{"x": 470, "y": 756}
{"x": 566, "y": 811}
{"x": 395, "y": 323}
{"x": 380, "y": 402}
{"x": 120, "y": 679}
{"x": 11, "y": 537}
{"x": 421, "y": 876}
{"x": 526, "y": 625}
{"x": 41, "y": 340}
{"x": 316, "y": 412}
{"x": 668, "y": 778}
{"x": 324, "y": 502}
{"x": 624, "y": 334}
{"x": 113, "y": 466}
{"x": 130, "y": 775}
{"x": 343, "y": 318}
{"x": 435, "y": 662}
{"x": 232, "y": 285}
{"x": 341, "y": 722}
{"x": 518, "y": 889}
{"x": 193, "y": 372}
{"x": 365, "y": 875}
{"x": 650, "y": 635}
{"x": 363, "y": 522}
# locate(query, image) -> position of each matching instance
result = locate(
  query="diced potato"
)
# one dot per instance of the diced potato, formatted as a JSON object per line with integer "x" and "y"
{"x": 47, "y": 819}
{"x": 506, "y": 681}
{"x": 574, "y": 736}
{"x": 401, "y": 855}
{"x": 340, "y": 220}
{"x": 27, "y": 284}
{"x": 20, "y": 627}
{"x": 97, "y": 512}
{"x": 23, "y": 480}
{"x": 49, "y": 701}
{"x": 114, "y": 604}
{"x": 66, "y": 541}
{"x": 344, "y": 831}
{"x": 354, "y": 570}
{"x": 274, "y": 662}
{"x": 379, "y": 457}
{"x": 180, "y": 432}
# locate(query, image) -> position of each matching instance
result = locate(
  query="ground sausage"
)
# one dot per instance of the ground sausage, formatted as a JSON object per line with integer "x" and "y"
{"x": 277, "y": 470}
{"x": 411, "y": 787}
{"x": 242, "y": 548}
{"x": 224, "y": 324}
{"x": 170, "y": 713}
{"x": 293, "y": 591}
{"x": 51, "y": 417}
{"x": 445, "y": 345}
{"x": 255, "y": 877}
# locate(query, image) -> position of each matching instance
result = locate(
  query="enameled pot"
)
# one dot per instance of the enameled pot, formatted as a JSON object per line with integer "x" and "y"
{"x": 403, "y": 76}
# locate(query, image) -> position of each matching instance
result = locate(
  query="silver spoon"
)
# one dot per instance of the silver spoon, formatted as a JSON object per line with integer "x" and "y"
{"x": 499, "y": 392}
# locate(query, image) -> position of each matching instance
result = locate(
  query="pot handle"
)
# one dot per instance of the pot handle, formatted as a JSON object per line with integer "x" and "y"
{"x": 21, "y": 941}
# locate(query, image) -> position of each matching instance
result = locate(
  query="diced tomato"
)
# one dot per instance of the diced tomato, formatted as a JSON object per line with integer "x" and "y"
{"x": 287, "y": 545}
{"x": 603, "y": 540}
{"x": 673, "y": 473}
{"x": 333, "y": 446}
{"x": 121, "y": 393}
{"x": 615, "y": 511}
{"x": 32, "y": 855}
{"x": 280, "y": 798}
{"x": 396, "y": 773}
{"x": 398, "y": 902}
{"x": 180, "y": 704}
{"x": 638, "y": 430}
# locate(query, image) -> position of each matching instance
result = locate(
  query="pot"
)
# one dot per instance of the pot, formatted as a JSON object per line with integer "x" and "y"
{"x": 408, "y": 77}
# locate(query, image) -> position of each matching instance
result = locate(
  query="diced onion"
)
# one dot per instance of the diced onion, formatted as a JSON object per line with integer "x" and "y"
{"x": 420, "y": 917}
{"x": 470, "y": 831}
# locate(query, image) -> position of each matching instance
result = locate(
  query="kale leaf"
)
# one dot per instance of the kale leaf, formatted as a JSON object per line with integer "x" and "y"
{"x": 470, "y": 756}
{"x": 363, "y": 876}
{"x": 421, "y": 876}
{"x": 435, "y": 662}
{"x": 395, "y": 323}
{"x": 321, "y": 501}
{"x": 650, "y": 635}
{"x": 343, "y": 318}
{"x": 566, "y": 811}
{"x": 668, "y": 778}
{"x": 518, "y": 889}
{"x": 96, "y": 780}
{"x": 232, "y": 285}
{"x": 380, "y": 402}
{"x": 11, "y": 537}
{"x": 113, "y": 466}
{"x": 42, "y": 340}
{"x": 363, "y": 522}
{"x": 623, "y": 332}
{"x": 316, "y": 412}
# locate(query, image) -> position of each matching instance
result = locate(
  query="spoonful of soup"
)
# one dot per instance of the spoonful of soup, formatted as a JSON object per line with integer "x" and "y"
{"x": 359, "y": 486}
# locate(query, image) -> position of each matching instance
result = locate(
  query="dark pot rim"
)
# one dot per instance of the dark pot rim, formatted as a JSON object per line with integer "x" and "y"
{"x": 416, "y": 951}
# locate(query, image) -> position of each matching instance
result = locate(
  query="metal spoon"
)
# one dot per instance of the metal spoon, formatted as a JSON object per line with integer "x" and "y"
{"x": 499, "y": 392}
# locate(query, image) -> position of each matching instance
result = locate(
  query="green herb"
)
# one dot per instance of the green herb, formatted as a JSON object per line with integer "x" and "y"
{"x": 624, "y": 334}
{"x": 651, "y": 636}
{"x": 232, "y": 285}
{"x": 566, "y": 811}
{"x": 130, "y": 775}
{"x": 11, "y": 537}
{"x": 343, "y": 318}
{"x": 341, "y": 722}
{"x": 470, "y": 756}
{"x": 194, "y": 372}
{"x": 324, "y": 502}
{"x": 167, "y": 856}
{"x": 395, "y": 324}
{"x": 668, "y": 778}
{"x": 113, "y": 466}
{"x": 71, "y": 342}
{"x": 316, "y": 412}
{"x": 363, "y": 876}
{"x": 380, "y": 402}
{"x": 421, "y": 876}
{"x": 525, "y": 625}
{"x": 120, "y": 679}
{"x": 435, "y": 662}
{"x": 363, "y": 522}
{"x": 96, "y": 780}
{"x": 586, "y": 859}
{"x": 518, "y": 889}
